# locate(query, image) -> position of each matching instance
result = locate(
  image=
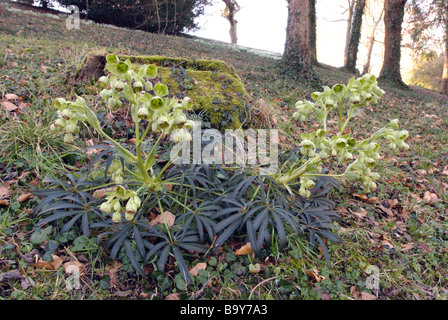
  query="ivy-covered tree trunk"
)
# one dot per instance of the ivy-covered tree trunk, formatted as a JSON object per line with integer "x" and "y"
{"x": 351, "y": 6}
{"x": 296, "y": 57}
{"x": 313, "y": 33}
{"x": 444, "y": 83}
{"x": 355, "y": 36}
{"x": 393, "y": 19}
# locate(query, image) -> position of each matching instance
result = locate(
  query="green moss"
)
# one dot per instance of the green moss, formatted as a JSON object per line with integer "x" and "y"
{"x": 214, "y": 86}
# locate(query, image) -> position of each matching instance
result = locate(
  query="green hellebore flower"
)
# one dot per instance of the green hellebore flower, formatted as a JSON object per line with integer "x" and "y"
{"x": 160, "y": 89}
{"x": 181, "y": 136}
{"x": 122, "y": 67}
{"x": 129, "y": 216}
{"x": 403, "y": 135}
{"x": 370, "y": 163}
{"x": 71, "y": 128}
{"x": 187, "y": 103}
{"x": 66, "y": 114}
{"x": 341, "y": 143}
{"x": 106, "y": 94}
{"x": 151, "y": 71}
{"x": 54, "y": 128}
{"x": 114, "y": 103}
{"x": 59, "y": 122}
{"x": 120, "y": 192}
{"x": 163, "y": 123}
{"x": 68, "y": 138}
{"x": 393, "y": 124}
{"x": 329, "y": 102}
{"x": 131, "y": 206}
{"x": 304, "y": 193}
{"x": 143, "y": 113}
{"x": 104, "y": 81}
{"x": 111, "y": 59}
{"x": 307, "y": 144}
{"x": 118, "y": 86}
{"x": 116, "y": 217}
{"x": 60, "y": 103}
{"x": 106, "y": 207}
{"x": 180, "y": 120}
{"x": 118, "y": 179}
{"x": 138, "y": 86}
{"x": 156, "y": 103}
{"x": 355, "y": 98}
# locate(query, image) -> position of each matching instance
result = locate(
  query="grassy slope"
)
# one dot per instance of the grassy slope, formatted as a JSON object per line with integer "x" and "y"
{"x": 403, "y": 233}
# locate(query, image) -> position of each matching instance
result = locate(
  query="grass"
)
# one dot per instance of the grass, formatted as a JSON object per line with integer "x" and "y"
{"x": 398, "y": 228}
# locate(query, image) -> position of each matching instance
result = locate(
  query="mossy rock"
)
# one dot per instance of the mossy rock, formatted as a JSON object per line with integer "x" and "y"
{"x": 217, "y": 90}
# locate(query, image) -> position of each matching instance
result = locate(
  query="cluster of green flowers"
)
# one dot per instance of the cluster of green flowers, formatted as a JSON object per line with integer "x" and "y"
{"x": 163, "y": 114}
{"x": 318, "y": 147}
{"x": 115, "y": 200}
{"x": 69, "y": 115}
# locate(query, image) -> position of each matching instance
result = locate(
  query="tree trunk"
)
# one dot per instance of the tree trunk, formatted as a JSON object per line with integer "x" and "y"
{"x": 313, "y": 33}
{"x": 296, "y": 57}
{"x": 355, "y": 36}
{"x": 229, "y": 13}
{"x": 87, "y": 9}
{"x": 444, "y": 84}
{"x": 351, "y": 5}
{"x": 393, "y": 19}
{"x": 371, "y": 42}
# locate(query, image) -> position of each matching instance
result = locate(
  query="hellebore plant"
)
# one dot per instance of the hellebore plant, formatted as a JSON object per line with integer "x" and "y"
{"x": 150, "y": 106}
{"x": 319, "y": 148}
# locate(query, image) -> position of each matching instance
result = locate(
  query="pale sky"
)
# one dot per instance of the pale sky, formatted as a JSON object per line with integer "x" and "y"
{"x": 262, "y": 25}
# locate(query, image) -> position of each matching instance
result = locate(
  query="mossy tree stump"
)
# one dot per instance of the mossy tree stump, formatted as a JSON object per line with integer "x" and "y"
{"x": 217, "y": 90}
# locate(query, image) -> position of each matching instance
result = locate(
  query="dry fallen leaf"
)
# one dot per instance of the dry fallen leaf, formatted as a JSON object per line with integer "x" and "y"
{"x": 360, "y": 295}
{"x": 425, "y": 247}
{"x": 430, "y": 197}
{"x": 9, "y": 106}
{"x": 373, "y": 200}
{"x": 166, "y": 217}
{"x": 200, "y": 266}
{"x": 113, "y": 282}
{"x": 49, "y": 265}
{"x": 11, "y": 96}
{"x": 4, "y": 191}
{"x": 24, "y": 197}
{"x": 172, "y": 296}
{"x": 408, "y": 246}
{"x": 244, "y": 250}
{"x": 360, "y": 214}
{"x": 314, "y": 274}
{"x": 98, "y": 194}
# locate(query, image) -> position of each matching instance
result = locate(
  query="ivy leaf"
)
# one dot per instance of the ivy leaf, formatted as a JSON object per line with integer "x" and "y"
{"x": 40, "y": 236}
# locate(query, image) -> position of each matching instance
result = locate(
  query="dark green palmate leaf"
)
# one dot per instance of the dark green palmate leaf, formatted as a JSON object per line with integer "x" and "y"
{"x": 177, "y": 244}
{"x": 69, "y": 205}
